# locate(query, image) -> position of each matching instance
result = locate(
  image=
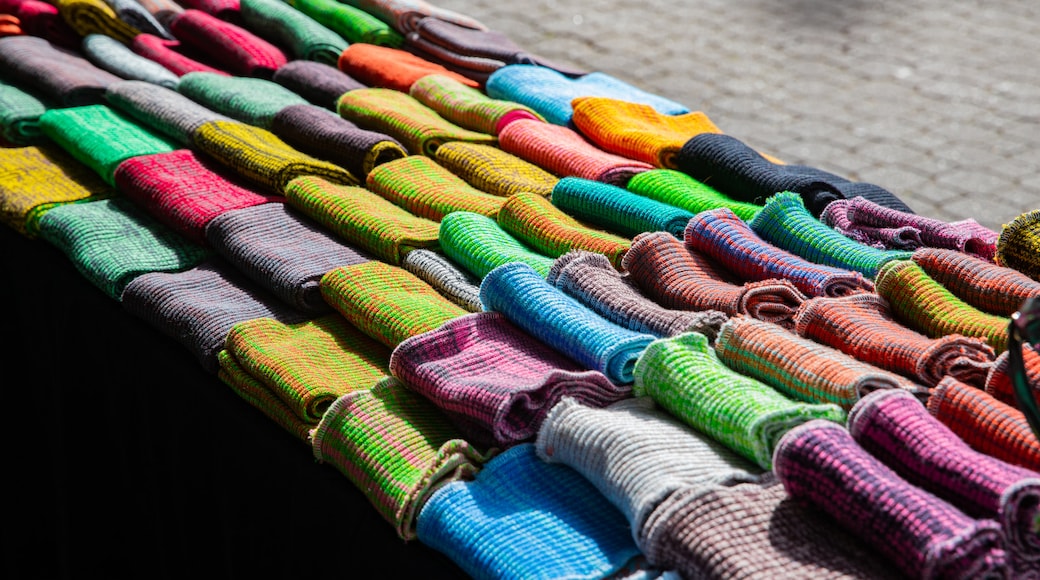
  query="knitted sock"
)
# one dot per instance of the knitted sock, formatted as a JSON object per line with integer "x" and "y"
{"x": 249, "y": 100}
{"x": 680, "y": 190}
{"x": 480, "y": 245}
{"x": 56, "y": 75}
{"x": 362, "y": 218}
{"x": 405, "y": 15}
{"x": 391, "y": 68}
{"x": 135, "y": 15}
{"x": 991, "y": 288}
{"x": 172, "y": 54}
{"x": 20, "y": 116}
{"x": 395, "y": 447}
{"x": 321, "y": 84}
{"x": 1019, "y": 244}
{"x": 836, "y": 215}
{"x": 95, "y": 17}
{"x": 41, "y": 19}
{"x": 354, "y": 25}
{"x": 228, "y": 10}
{"x": 386, "y": 302}
{"x": 490, "y": 169}
{"x": 998, "y": 381}
{"x": 161, "y": 9}
{"x": 117, "y": 58}
{"x": 563, "y": 152}
{"x": 474, "y": 54}
{"x": 229, "y": 46}
{"x": 438, "y": 271}
{"x": 925, "y": 537}
{"x": 466, "y": 106}
{"x": 617, "y": 209}
{"x": 163, "y": 110}
{"x": 303, "y": 37}
{"x": 495, "y": 381}
{"x": 426, "y": 189}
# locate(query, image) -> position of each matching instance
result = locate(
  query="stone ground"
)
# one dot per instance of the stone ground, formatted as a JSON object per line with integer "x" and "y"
{"x": 937, "y": 101}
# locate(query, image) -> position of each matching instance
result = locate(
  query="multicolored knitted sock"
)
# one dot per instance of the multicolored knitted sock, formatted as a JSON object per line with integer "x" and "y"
{"x": 527, "y": 300}
{"x": 20, "y": 116}
{"x": 862, "y": 326}
{"x": 479, "y": 245}
{"x": 391, "y": 68}
{"x": 467, "y": 106}
{"x": 260, "y": 396}
{"x": 321, "y": 84}
{"x": 40, "y": 19}
{"x": 998, "y": 382}
{"x": 675, "y": 277}
{"x": 95, "y": 17}
{"x": 163, "y": 110}
{"x": 1019, "y": 244}
{"x": 117, "y": 58}
{"x": 386, "y": 302}
{"x": 617, "y": 209}
{"x": 426, "y": 189}
{"x": 173, "y": 55}
{"x": 362, "y": 218}
{"x": 355, "y": 26}
{"x": 991, "y": 288}
{"x": 681, "y": 190}
{"x": 924, "y": 536}
{"x": 495, "y": 381}
{"x": 405, "y": 15}
{"x": 399, "y": 115}
{"x": 563, "y": 152}
{"x": 438, "y": 271}
{"x": 304, "y": 37}
{"x": 836, "y": 215}
{"x": 396, "y": 447}
{"x": 59, "y": 76}
{"x": 249, "y": 100}
{"x": 494, "y": 171}
{"x": 230, "y": 47}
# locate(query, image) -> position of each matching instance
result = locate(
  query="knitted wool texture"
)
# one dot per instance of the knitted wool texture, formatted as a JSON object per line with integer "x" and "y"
{"x": 362, "y": 218}
{"x": 230, "y": 47}
{"x": 428, "y": 190}
{"x": 438, "y": 271}
{"x": 100, "y": 137}
{"x": 785, "y": 222}
{"x": 41, "y": 19}
{"x": 991, "y": 288}
{"x": 563, "y": 152}
{"x": 319, "y": 83}
{"x": 544, "y": 227}
{"x": 134, "y": 14}
{"x": 405, "y": 15}
{"x": 617, "y": 209}
{"x": 198, "y": 307}
{"x": 172, "y": 54}
{"x": 58, "y": 76}
{"x": 386, "y": 302}
{"x": 551, "y": 93}
{"x": 95, "y": 17}
{"x": 921, "y": 534}
{"x": 800, "y": 368}
{"x": 1018, "y": 246}
{"x": 282, "y": 250}
{"x": 355, "y": 26}
{"x": 184, "y": 190}
{"x": 495, "y": 381}
{"x": 228, "y": 10}
{"x": 480, "y": 245}
{"x": 897, "y": 429}
{"x": 161, "y": 9}
{"x": 638, "y": 131}
{"x": 117, "y": 58}
{"x": 490, "y": 169}
{"x": 261, "y": 157}
{"x": 260, "y": 396}
{"x": 591, "y": 279}
{"x": 522, "y": 518}
{"x": 413, "y": 124}
{"x": 675, "y": 277}
{"x": 20, "y": 116}
{"x": 394, "y": 446}
{"x": 112, "y": 241}
{"x": 466, "y": 106}
{"x": 250, "y": 100}
{"x": 545, "y": 312}
{"x": 392, "y": 68}
{"x": 998, "y": 381}
{"x": 681, "y": 190}
{"x": 163, "y": 110}
{"x": 304, "y": 37}
{"x": 723, "y": 236}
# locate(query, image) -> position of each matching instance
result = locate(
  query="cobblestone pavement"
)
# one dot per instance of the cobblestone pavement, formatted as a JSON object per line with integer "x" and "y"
{"x": 937, "y": 101}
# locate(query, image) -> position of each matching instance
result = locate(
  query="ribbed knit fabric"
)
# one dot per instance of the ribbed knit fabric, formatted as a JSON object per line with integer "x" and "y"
{"x": 1018, "y": 246}
{"x": 802, "y": 369}
{"x": 445, "y": 276}
{"x": 20, "y": 116}
{"x": 998, "y": 382}
{"x": 863, "y": 327}
{"x": 405, "y": 15}
{"x": 386, "y": 302}
{"x": 550, "y": 92}
{"x": 117, "y": 58}
{"x": 229, "y": 10}
{"x": 285, "y": 26}
{"x": 527, "y": 300}
{"x": 637, "y": 131}
{"x": 479, "y": 245}
{"x": 524, "y": 519}
{"x": 319, "y": 83}
{"x": 172, "y": 54}
{"x": 721, "y": 235}
{"x": 112, "y": 241}
{"x": 95, "y": 17}
{"x": 260, "y": 396}
{"x": 591, "y": 279}
{"x": 391, "y": 68}
{"x": 395, "y": 447}
{"x": 164, "y": 110}
{"x": 563, "y": 152}
{"x": 354, "y": 25}
{"x": 261, "y": 157}
{"x": 897, "y": 429}
{"x": 228, "y": 46}
{"x": 282, "y": 250}
{"x": 134, "y": 14}
{"x": 495, "y": 381}
{"x": 924, "y": 536}
{"x": 684, "y": 376}
{"x": 991, "y": 288}
{"x": 362, "y": 218}
{"x": 675, "y": 277}
{"x": 494, "y": 171}
{"x": 786, "y": 223}
{"x": 38, "y": 178}
{"x": 100, "y": 137}
{"x": 414, "y": 125}
{"x": 678, "y": 189}
{"x": 426, "y": 189}
{"x": 198, "y": 307}
{"x": 466, "y": 106}
{"x": 617, "y": 209}
{"x": 41, "y": 19}
{"x": 986, "y": 424}
{"x": 250, "y": 100}
{"x": 59, "y": 76}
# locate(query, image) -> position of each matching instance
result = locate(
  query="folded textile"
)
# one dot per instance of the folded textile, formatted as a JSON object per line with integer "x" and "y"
{"x": 989, "y": 287}
{"x": 428, "y": 190}
{"x": 478, "y": 244}
{"x": 303, "y": 37}
{"x": 862, "y": 326}
{"x": 438, "y": 271}
{"x": 1019, "y": 244}
{"x": 164, "y": 110}
{"x": 466, "y": 106}
{"x": 617, "y": 209}
{"x": 400, "y": 116}
{"x": 230, "y": 47}
{"x": 550, "y": 92}
{"x": 134, "y": 14}
{"x": 522, "y": 518}
{"x": 96, "y": 17}
{"x": 564, "y": 153}
{"x": 258, "y": 155}
{"x": 386, "y": 302}
{"x": 161, "y": 9}
{"x": 396, "y": 447}
{"x": 54, "y": 74}
{"x": 319, "y": 83}
{"x": 490, "y": 169}
{"x": 257, "y": 394}
{"x": 362, "y": 218}
{"x": 678, "y": 189}
{"x": 676, "y": 277}
{"x": 282, "y": 250}
{"x": 354, "y": 25}
{"x": 42, "y": 19}
{"x": 405, "y": 15}
{"x": 177, "y": 57}
{"x": 527, "y": 300}
{"x": 922, "y": 535}
{"x": 785, "y": 222}
{"x": 228, "y": 10}
{"x": 998, "y": 381}
{"x": 101, "y": 137}
{"x": 20, "y": 115}
{"x": 117, "y": 58}
{"x": 249, "y": 100}
{"x": 198, "y": 307}
{"x": 391, "y": 68}
{"x": 721, "y": 235}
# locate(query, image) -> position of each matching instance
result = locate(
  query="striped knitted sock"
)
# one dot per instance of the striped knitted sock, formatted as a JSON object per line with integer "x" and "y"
{"x": 618, "y": 209}
{"x": 1019, "y": 244}
{"x": 172, "y": 54}
{"x": 991, "y": 288}
{"x": 95, "y": 17}
{"x": 260, "y": 396}
{"x": 117, "y": 58}
{"x": 20, "y": 116}
{"x": 998, "y": 381}
{"x": 467, "y": 106}
{"x": 58, "y": 76}
{"x": 392, "y": 68}
{"x": 229, "y": 46}
{"x": 249, "y": 100}
{"x": 286, "y": 26}
{"x": 354, "y": 25}
{"x": 321, "y": 84}
{"x": 426, "y": 189}
{"x": 680, "y": 190}
{"x": 490, "y": 169}
{"x": 480, "y": 245}
{"x": 163, "y": 110}
{"x": 447, "y": 278}
{"x": 836, "y": 215}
